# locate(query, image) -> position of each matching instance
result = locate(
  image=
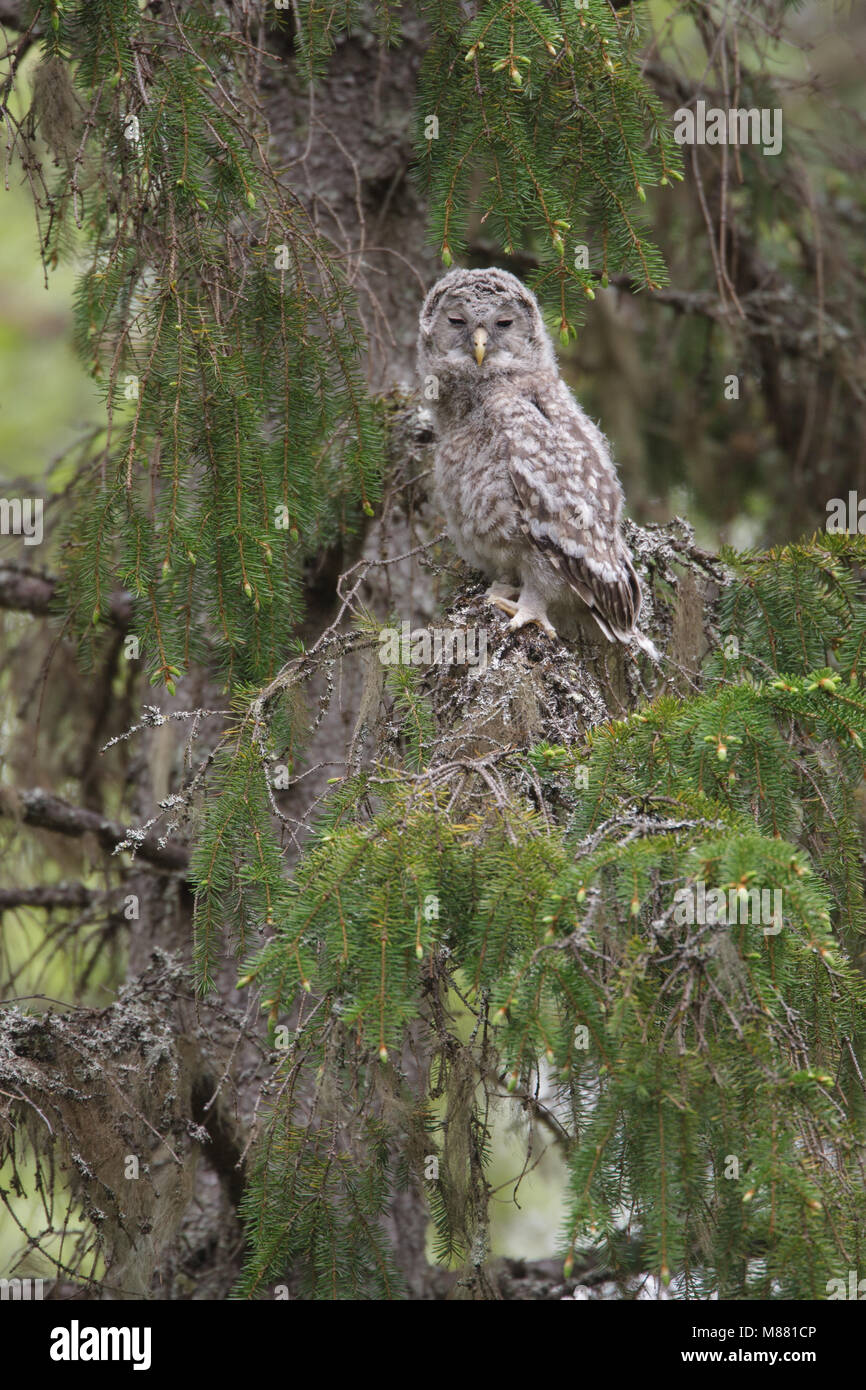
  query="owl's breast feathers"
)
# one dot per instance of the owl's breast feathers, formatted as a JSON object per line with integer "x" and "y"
{"x": 568, "y": 496}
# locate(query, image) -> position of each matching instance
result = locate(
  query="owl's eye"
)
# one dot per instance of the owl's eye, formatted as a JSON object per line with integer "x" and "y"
{"x": 457, "y": 322}
{"x": 504, "y": 323}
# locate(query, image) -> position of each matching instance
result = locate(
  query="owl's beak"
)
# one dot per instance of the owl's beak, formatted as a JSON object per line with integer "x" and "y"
{"x": 479, "y": 344}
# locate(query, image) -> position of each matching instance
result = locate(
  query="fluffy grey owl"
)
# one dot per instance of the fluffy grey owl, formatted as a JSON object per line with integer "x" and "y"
{"x": 530, "y": 494}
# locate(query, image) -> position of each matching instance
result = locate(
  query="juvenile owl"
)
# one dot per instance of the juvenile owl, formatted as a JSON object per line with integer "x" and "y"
{"x": 529, "y": 490}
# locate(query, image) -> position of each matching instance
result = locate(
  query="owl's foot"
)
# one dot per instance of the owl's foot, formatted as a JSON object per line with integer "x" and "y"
{"x": 523, "y": 612}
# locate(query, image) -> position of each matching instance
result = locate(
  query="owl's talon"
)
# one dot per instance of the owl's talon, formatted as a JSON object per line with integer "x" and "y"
{"x": 507, "y": 605}
{"x": 524, "y": 616}
{"x": 521, "y": 613}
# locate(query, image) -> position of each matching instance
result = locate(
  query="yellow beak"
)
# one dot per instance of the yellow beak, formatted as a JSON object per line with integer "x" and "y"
{"x": 479, "y": 343}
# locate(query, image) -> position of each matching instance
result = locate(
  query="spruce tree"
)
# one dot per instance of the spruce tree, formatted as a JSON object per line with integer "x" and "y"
{"x": 494, "y": 894}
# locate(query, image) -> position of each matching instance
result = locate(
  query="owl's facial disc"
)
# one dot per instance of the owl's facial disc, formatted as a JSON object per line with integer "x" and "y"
{"x": 489, "y": 331}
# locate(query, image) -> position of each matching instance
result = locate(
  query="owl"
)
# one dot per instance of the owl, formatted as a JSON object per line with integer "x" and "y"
{"x": 525, "y": 479}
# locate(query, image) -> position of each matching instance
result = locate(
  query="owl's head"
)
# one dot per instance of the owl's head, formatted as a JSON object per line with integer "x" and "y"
{"x": 479, "y": 323}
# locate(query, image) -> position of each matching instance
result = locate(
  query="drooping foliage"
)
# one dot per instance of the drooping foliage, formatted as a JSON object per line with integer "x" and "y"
{"x": 239, "y": 438}
{"x": 536, "y": 122}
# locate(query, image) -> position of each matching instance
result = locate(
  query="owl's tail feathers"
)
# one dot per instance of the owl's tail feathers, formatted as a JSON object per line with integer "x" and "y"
{"x": 627, "y": 636}
{"x": 614, "y": 604}
{"x": 641, "y": 640}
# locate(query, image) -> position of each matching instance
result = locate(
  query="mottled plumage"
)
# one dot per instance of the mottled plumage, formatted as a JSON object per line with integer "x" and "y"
{"x": 530, "y": 494}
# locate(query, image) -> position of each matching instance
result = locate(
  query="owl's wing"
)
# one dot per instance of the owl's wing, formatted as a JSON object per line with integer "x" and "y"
{"x": 570, "y": 502}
